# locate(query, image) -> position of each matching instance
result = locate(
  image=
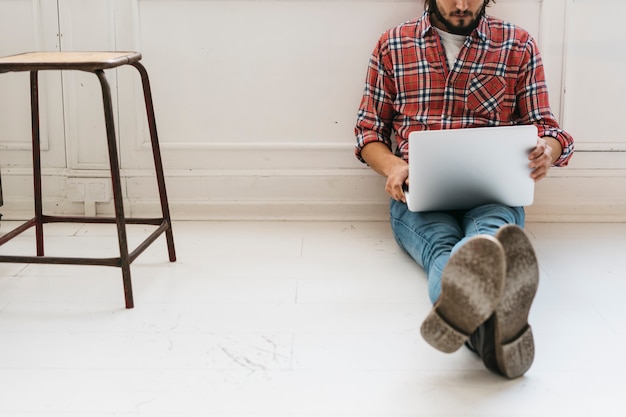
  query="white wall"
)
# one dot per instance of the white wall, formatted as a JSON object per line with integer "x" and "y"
{"x": 256, "y": 103}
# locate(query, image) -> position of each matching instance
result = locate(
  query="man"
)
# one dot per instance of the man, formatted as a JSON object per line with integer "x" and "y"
{"x": 456, "y": 67}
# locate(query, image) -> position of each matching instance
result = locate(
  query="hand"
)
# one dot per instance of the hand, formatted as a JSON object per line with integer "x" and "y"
{"x": 397, "y": 178}
{"x": 542, "y": 157}
{"x": 395, "y": 169}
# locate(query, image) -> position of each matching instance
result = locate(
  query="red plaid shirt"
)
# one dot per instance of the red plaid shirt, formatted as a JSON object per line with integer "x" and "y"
{"x": 497, "y": 80}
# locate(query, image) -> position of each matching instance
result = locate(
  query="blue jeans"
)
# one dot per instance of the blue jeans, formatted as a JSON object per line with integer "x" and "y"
{"x": 431, "y": 237}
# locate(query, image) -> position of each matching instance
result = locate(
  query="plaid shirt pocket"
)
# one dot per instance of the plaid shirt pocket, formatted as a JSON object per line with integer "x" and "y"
{"x": 485, "y": 94}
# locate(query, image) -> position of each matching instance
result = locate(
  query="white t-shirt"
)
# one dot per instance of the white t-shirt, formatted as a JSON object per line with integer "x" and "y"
{"x": 452, "y": 45}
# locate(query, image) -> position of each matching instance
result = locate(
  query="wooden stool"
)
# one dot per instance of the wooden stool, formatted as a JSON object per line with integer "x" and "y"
{"x": 95, "y": 62}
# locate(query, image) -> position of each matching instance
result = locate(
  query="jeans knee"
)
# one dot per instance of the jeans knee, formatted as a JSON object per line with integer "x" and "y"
{"x": 426, "y": 237}
{"x": 489, "y": 218}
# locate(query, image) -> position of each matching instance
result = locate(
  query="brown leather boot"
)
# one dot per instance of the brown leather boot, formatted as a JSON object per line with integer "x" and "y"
{"x": 505, "y": 341}
{"x": 471, "y": 286}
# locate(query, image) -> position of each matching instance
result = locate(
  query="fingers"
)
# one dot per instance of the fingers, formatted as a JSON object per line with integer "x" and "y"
{"x": 540, "y": 160}
{"x": 396, "y": 181}
{"x": 539, "y": 173}
{"x": 396, "y": 190}
{"x": 395, "y": 187}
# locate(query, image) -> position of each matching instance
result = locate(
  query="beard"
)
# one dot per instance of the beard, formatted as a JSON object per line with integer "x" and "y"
{"x": 467, "y": 25}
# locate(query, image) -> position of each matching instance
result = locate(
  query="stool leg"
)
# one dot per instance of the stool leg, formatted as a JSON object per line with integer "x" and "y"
{"x": 156, "y": 154}
{"x": 34, "y": 106}
{"x": 117, "y": 188}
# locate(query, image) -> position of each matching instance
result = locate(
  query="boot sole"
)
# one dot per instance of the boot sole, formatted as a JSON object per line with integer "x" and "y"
{"x": 471, "y": 285}
{"x": 513, "y": 337}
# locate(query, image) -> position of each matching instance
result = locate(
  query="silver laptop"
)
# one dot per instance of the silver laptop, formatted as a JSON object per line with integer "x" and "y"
{"x": 465, "y": 168}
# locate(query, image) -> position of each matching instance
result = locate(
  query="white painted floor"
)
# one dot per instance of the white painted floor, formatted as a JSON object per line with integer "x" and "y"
{"x": 295, "y": 319}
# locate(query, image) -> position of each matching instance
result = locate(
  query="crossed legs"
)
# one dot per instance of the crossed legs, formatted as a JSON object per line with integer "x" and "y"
{"x": 482, "y": 276}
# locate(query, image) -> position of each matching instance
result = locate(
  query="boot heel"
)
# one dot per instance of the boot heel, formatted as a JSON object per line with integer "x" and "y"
{"x": 515, "y": 358}
{"x": 440, "y": 335}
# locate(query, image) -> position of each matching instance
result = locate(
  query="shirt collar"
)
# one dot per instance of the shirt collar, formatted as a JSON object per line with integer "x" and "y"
{"x": 481, "y": 31}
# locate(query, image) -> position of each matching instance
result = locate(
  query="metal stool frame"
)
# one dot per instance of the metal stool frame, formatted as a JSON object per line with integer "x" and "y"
{"x": 96, "y": 63}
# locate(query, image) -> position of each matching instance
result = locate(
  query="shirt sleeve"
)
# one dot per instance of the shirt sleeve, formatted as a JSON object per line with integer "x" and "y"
{"x": 376, "y": 112}
{"x": 533, "y": 103}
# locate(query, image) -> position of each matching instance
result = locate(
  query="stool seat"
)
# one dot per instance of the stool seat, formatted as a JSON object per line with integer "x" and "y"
{"x": 83, "y": 61}
{"x": 95, "y": 62}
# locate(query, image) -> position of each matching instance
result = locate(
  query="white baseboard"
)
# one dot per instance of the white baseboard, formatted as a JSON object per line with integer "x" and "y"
{"x": 306, "y": 211}
{"x": 568, "y": 195}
